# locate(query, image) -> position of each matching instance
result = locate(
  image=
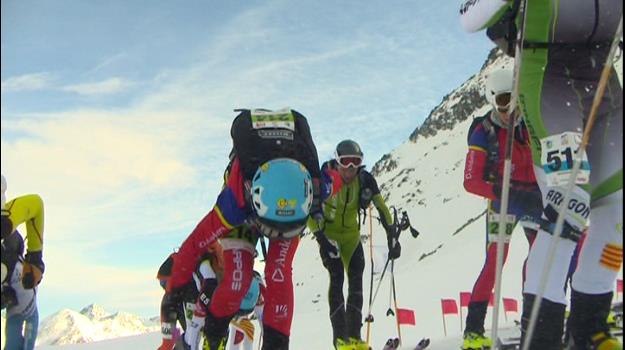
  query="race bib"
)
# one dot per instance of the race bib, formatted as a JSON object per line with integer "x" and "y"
{"x": 281, "y": 119}
{"x": 189, "y": 309}
{"x": 494, "y": 220}
{"x": 557, "y": 156}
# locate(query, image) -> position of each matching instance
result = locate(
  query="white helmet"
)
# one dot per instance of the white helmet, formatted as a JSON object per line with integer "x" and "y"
{"x": 498, "y": 82}
{"x": 4, "y": 189}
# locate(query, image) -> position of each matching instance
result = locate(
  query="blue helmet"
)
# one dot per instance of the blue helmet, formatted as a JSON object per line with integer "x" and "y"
{"x": 282, "y": 194}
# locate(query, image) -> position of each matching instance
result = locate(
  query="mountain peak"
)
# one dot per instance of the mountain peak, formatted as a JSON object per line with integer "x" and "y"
{"x": 461, "y": 103}
{"x": 94, "y": 312}
{"x": 92, "y": 323}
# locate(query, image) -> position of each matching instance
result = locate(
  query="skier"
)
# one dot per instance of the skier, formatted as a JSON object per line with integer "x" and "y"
{"x": 192, "y": 311}
{"x": 273, "y": 185}
{"x": 212, "y": 278}
{"x": 26, "y": 209}
{"x": 338, "y": 235}
{"x": 483, "y": 176}
{"x": 566, "y": 44}
{"x": 241, "y": 329}
{"x": 209, "y": 268}
{"x": 19, "y": 278}
{"x": 21, "y": 303}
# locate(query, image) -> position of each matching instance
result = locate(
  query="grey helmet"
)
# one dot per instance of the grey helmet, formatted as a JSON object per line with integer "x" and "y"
{"x": 348, "y": 153}
{"x": 348, "y": 148}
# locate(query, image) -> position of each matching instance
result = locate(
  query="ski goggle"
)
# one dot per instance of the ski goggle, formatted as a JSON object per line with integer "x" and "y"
{"x": 503, "y": 101}
{"x": 349, "y": 161}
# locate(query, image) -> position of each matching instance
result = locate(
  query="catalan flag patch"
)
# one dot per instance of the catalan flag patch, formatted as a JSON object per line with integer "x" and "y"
{"x": 612, "y": 257}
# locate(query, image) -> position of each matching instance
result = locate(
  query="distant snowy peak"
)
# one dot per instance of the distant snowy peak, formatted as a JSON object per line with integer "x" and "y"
{"x": 66, "y": 327}
{"x": 92, "y": 323}
{"x": 94, "y": 312}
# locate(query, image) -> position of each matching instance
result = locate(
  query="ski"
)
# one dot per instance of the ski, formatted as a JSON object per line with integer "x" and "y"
{"x": 393, "y": 344}
{"x": 423, "y": 343}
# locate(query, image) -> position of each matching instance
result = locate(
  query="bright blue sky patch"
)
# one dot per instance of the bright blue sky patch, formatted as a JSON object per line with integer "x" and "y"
{"x": 118, "y": 112}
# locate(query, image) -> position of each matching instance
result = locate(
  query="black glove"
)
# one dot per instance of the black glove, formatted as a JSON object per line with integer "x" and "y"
{"x": 395, "y": 251}
{"x": 169, "y": 306}
{"x": 327, "y": 246}
{"x": 33, "y": 270}
{"x": 394, "y": 248}
{"x": 9, "y": 298}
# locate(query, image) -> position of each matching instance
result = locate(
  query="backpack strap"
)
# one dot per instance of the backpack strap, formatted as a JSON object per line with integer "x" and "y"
{"x": 512, "y": 28}
{"x": 492, "y": 149}
{"x": 263, "y": 246}
{"x": 368, "y": 188}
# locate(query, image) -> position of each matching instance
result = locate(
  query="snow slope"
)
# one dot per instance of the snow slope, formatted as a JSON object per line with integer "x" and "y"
{"x": 423, "y": 176}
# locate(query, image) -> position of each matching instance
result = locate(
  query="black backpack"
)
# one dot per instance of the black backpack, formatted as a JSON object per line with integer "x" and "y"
{"x": 261, "y": 135}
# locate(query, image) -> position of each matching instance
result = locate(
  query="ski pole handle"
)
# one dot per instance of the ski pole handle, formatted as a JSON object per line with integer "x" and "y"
{"x": 405, "y": 224}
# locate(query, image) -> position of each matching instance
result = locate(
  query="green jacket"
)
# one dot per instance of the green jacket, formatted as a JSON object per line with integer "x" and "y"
{"x": 340, "y": 213}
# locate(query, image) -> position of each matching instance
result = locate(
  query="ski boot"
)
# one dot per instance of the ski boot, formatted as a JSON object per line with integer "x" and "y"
{"x": 476, "y": 341}
{"x": 359, "y": 344}
{"x": 615, "y": 322}
{"x": 214, "y": 345}
{"x": 604, "y": 341}
{"x": 167, "y": 344}
{"x": 341, "y": 344}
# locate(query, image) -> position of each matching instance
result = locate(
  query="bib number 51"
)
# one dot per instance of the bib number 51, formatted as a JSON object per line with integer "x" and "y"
{"x": 557, "y": 157}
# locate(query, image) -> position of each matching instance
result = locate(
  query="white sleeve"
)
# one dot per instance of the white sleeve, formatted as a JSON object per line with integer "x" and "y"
{"x": 206, "y": 270}
{"x": 476, "y": 14}
{"x": 26, "y": 298}
{"x": 258, "y": 310}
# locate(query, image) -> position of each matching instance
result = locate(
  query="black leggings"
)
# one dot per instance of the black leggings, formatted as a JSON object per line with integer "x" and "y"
{"x": 346, "y": 319}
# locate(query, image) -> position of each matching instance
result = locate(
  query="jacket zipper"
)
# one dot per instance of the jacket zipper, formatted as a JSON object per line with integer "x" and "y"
{"x": 345, "y": 207}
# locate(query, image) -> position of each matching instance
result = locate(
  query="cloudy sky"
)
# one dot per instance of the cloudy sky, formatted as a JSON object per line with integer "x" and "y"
{"x": 117, "y": 112}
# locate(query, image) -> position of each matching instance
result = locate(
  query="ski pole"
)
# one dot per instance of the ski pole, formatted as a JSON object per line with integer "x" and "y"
{"x": 503, "y": 223}
{"x": 395, "y": 300}
{"x": 388, "y": 259}
{"x": 369, "y": 318}
{"x": 405, "y": 225}
{"x": 556, "y": 236}
{"x": 377, "y": 289}
{"x": 389, "y": 311}
{"x": 507, "y": 170}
